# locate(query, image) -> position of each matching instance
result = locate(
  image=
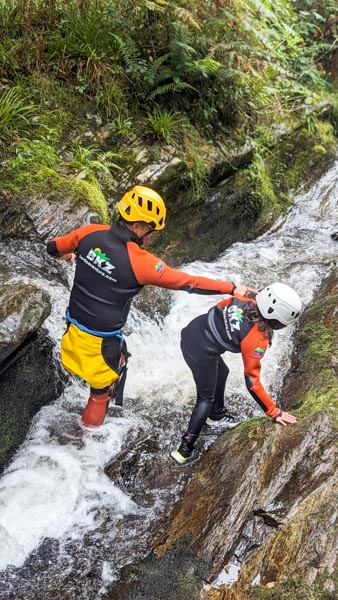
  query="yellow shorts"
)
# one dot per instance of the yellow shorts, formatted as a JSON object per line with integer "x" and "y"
{"x": 90, "y": 357}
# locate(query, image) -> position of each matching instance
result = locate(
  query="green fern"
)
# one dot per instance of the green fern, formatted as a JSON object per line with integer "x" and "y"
{"x": 170, "y": 88}
{"x": 128, "y": 50}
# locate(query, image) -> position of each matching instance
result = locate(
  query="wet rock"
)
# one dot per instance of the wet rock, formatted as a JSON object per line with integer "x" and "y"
{"x": 176, "y": 576}
{"x": 265, "y": 497}
{"x": 23, "y": 309}
{"x": 154, "y": 302}
{"x": 29, "y": 379}
{"x": 252, "y": 473}
{"x": 142, "y": 471}
{"x": 43, "y": 215}
{"x": 51, "y": 218}
{"x": 16, "y": 255}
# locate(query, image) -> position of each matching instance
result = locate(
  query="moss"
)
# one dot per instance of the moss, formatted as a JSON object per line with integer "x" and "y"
{"x": 304, "y": 155}
{"x": 317, "y": 359}
{"x": 88, "y": 191}
{"x": 243, "y": 428}
{"x": 316, "y": 401}
{"x": 32, "y": 168}
{"x": 259, "y": 199}
{"x": 295, "y": 589}
{"x": 178, "y": 574}
{"x": 24, "y": 183}
{"x": 312, "y": 384}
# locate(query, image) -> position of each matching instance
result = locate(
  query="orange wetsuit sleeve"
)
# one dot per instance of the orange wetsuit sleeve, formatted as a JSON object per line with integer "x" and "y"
{"x": 69, "y": 243}
{"x": 150, "y": 270}
{"x": 253, "y": 348}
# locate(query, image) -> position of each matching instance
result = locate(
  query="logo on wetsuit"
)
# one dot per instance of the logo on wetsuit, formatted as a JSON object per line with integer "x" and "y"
{"x": 99, "y": 261}
{"x": 258, "y": 352}
{"x": 159, "y": 267}
{"x": 233, "y": 317}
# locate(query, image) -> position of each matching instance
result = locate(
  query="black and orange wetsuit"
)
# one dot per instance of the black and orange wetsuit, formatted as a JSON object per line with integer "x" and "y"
{"x": 222, "y": 329}
{"x": 111, "y": 268}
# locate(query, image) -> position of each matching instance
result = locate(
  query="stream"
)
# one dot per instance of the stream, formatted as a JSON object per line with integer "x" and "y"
{"x": 66, "y": 528}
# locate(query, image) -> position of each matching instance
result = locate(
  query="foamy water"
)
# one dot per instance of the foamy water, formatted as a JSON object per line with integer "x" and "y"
{"x": 58, "y": 489}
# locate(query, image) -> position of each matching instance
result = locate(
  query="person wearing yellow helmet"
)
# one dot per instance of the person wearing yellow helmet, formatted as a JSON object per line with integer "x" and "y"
{"x": 111, "y": 268}
{"x": 143, "y": 204}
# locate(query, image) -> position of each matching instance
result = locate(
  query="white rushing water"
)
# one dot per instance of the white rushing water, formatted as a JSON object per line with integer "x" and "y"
{"x": 56, "y": 490}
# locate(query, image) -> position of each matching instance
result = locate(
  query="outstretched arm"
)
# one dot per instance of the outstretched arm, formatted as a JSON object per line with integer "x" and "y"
{"x": 253, "y": 349}
{"x": 150, "y": 270}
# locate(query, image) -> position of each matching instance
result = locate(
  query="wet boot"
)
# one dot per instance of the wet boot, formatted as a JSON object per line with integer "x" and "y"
{"x": 96, "y": 409}
{"x": 185, "y": 449}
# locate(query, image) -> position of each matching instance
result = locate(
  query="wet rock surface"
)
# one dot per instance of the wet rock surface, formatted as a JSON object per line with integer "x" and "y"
{"x": 43, "y": 216}
{"x": 52, "y": 218}
{"x": 23, "y": 309}
{"x": 262, "y": 497}
{"x": 29, "y": 379}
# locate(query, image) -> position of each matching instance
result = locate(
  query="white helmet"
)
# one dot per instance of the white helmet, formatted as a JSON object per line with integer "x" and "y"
{"x": 279, "y": 302}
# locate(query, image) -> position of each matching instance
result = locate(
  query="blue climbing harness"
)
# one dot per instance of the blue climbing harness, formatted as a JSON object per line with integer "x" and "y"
{"x": 102, "y": 334}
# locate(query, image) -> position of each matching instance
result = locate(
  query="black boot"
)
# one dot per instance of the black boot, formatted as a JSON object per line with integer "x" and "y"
{"x": 185, "y": 449}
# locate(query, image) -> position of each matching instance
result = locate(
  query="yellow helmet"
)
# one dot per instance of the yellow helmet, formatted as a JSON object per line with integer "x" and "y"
{"x": 143, "y": 204}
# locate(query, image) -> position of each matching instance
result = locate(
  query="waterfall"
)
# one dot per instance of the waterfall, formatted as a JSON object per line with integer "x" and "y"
{"x": 55, "y": 487}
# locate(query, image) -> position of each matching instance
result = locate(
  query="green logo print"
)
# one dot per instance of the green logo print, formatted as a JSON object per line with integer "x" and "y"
{"x": 239, "y": 313}
{"x": 101, "y": 255}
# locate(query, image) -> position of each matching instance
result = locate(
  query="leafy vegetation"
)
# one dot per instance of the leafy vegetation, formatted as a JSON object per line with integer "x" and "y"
{"x": 165, "y": 70}
{"x": 296, "y": 589}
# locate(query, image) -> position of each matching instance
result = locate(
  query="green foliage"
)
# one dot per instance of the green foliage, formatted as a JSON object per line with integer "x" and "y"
{"x": 228, "y": 64}
{"x": 92, "y": 158}
{"x": 149, "y": 78}
{"x": 294, "y": 589}
{"x": 112, "y": 101}
{"x": 316, "y": 23}
{"x": 165, "y": 125}
{"x": 15, "y": 114}
{"x": 161, "y": 69}
{"x": 123, "y": 124}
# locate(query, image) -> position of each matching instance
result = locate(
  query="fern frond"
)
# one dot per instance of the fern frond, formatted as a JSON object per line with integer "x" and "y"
{"x": 128, "y": 49}
{"x": 155, "y": 73}
{"x": 204, "y": 66}
{"x": 170, "y": 88}
{"x": 181, "y": 13}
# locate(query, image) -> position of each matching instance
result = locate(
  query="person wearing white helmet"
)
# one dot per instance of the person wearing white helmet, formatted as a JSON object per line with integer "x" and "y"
{"x": 237, "y": 324}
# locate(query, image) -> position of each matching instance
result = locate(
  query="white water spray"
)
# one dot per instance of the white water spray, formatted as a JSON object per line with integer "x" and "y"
{"x": 58, "y": 491}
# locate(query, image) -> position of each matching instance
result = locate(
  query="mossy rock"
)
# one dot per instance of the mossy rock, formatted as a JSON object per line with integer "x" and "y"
{"x": 65, "y": 204}
{"x": 312, "y": 383}
{"x": 248, "y": 202}
{"x": 304, "y": 156}
{"x": 176, "y": 576}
